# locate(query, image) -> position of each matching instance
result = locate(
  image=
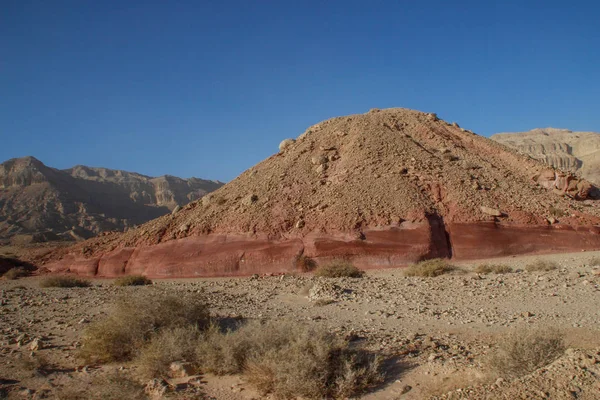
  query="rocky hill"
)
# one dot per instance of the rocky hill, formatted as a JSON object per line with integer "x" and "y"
{"x": 39, "y": 203}
{"x": 576, "y": 152}
{"x": 382, "y": 189}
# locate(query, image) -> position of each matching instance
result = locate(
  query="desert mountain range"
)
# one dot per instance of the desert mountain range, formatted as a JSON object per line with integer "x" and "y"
{"x": 384, "y": 188}
{"x": 576, "y": 152}
{"x": 39, "y": 203}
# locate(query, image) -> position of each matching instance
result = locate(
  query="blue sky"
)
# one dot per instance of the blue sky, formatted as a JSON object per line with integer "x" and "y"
{"x": 208, "y": 89}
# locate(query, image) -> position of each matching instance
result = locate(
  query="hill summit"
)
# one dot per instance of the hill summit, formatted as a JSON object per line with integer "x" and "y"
{"x": 383, "y": 189}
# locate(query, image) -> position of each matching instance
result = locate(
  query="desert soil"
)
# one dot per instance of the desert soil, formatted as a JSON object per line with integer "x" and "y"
{"x": 437, "y": 332}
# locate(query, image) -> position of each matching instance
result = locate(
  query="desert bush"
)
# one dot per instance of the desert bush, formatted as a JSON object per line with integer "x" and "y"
{"x": 132, "y": 280}
{"x": 541, "y": 265}
{"x": 290, "y": 360}
{"x": 169, "y": 345}
{"x": 64, "y": 282}
{"x": 304, "y": 263}
{"x": 430, "y": 268}
{"x": 15, "y": 273}
{"x": 133, "y": 322}
{"x": 339, "y": 269}
{"x": 493, "y": 268}
{"x": 520, "y": 353}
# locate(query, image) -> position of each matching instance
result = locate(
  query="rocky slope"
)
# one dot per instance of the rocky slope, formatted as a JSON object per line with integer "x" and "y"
{"x": 383, "y": 188}
{"x": 39, "y": 203}
{"x": 576, "y": 152}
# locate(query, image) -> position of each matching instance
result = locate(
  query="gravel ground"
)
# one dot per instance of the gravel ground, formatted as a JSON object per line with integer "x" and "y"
{"x": 437, "y": 332}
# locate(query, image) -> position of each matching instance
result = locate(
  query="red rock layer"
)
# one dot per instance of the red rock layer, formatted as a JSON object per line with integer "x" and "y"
{"x": 396, "y": 246}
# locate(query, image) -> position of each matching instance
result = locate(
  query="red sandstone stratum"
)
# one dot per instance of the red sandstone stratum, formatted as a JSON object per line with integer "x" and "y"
{"x": 384, "y": 189}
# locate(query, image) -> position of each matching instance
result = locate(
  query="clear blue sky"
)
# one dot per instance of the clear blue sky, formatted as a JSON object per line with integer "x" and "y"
{"x": 210, "y": 88}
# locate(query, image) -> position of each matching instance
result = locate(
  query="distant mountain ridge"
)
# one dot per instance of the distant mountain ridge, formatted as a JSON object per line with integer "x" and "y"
{"x": 39, "y": 203}
{"x": 577, "y": 152}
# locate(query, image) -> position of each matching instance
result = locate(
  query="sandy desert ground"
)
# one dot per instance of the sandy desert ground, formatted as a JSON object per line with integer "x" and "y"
{"x": 436, "y": 333}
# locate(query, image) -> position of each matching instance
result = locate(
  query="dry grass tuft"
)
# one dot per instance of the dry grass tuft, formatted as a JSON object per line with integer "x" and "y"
{"x": 541, "y": 265}
{"x": 15, "y": 273}
{"x": 520, "y": 353}
{"x": 339, "y": 269}
{"x": 430, "y": 268}
{"x": 169, "y": 345}
{"x": 290, "y": 360}
{"x": 64, "y": 282}
{"x": 493, "y": 268}
{"x": 132, "y": 280}
{"x": 304, "y": 263}
{"x": 134, "y": 322}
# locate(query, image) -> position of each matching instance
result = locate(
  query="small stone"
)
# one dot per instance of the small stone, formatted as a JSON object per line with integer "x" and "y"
{"x": 156, "y": 388}
{"x": 286, "y": 144}
{"x": 181, "y": 369}
{"x": 250, "y": 199}
{"x": 406, "y": 389}
{"x": 490, "y": 211}
{"x": 319, "y": 160}
{"x": 36, "y": 344}
{"x": 300, "y": 224}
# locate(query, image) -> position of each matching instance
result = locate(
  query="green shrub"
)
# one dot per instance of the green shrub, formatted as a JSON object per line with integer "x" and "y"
{"x": 64, "y": 282}
{"x": 430, "y": 268}
{"x": 15, "y": 273}
{"x": 132, "y": 280}
{"x": 520, "y": 353}
{"x": 290, "y": 360}
{"x": 541, "y": 265}
{"x": 493, "y": 268}
{"x": 339, "y": 269}
{"x": 133, "y": 322}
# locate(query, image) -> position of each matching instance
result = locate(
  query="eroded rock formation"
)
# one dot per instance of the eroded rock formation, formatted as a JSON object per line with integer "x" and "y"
{"x": 384, "y": 189}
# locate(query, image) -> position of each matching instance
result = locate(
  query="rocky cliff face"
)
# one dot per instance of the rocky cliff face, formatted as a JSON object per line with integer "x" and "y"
{"x": 577, "y": 152}
{"x": 39, "y": 203}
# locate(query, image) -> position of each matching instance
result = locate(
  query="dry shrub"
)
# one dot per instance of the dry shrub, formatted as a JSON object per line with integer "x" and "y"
{"x": 493, "y": 268}
{"x": 133, "y": 322}
{"x": 541, "y": 265}
{"x": 339, "y": 269}
{"x": 34, "y": 362}
{"x": 429, "y": 268}
{"x": 304, "y": 263}
{"x": 15, "y": 273}
{"x": 132, "y": 280}
{"x": 290, "y": 360}
{"x": 169, "y": 345}
{"x": 64, "y": 282}
{"x": 520, "y": 353}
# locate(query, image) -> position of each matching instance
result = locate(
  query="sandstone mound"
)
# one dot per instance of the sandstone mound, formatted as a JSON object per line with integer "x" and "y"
{"x": 383, "y": 188}
{"x": 39, "y": 203}
{"x": 576, "y": 152}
